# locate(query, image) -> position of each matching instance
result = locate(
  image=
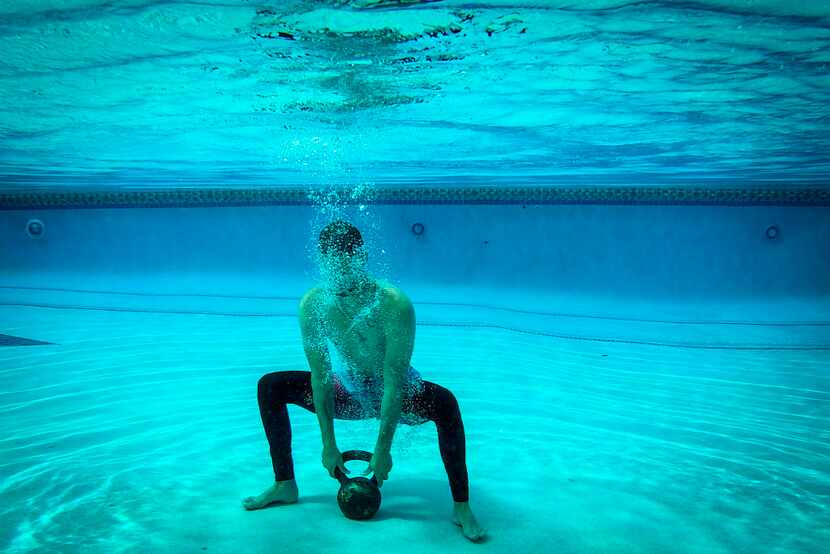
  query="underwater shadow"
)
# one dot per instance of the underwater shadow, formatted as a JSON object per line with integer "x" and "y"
{"x": 412, "y": 499}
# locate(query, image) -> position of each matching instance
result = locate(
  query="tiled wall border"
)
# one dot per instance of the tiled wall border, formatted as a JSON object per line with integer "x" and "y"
{"x": 645, "y": 195}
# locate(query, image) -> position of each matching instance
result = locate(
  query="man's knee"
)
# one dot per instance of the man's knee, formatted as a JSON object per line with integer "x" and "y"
{"x": 270, "y": 383}
{"x": 447, "y": 404}
{"x": 265, "y": 381}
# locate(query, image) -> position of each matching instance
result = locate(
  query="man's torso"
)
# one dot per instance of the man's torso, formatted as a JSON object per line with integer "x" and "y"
{"x": 359, "y": 337}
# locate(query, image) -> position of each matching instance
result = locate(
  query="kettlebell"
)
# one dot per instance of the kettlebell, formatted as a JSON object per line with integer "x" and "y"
{"x": 358, "y": 497}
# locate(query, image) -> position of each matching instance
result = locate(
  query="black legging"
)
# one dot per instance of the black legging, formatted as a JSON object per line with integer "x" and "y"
{"x": 435, "y": 403}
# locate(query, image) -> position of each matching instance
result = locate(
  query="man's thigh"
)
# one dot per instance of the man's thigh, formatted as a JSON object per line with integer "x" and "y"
{"x": 427, "y": 405}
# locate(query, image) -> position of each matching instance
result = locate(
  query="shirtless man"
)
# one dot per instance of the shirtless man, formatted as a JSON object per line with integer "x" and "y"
{"x": 371, "y": 326}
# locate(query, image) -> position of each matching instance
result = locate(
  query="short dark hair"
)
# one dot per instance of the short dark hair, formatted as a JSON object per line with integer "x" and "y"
{"x": 340, "y": 237}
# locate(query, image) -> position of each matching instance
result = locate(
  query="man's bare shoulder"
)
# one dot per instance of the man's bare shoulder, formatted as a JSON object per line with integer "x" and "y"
{"x": 312, "y": 293}
{"x": 309, "y": 300}
{"x": 393, "y": 297}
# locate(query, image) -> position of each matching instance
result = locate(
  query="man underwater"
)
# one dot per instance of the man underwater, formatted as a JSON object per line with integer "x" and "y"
{"x": 370, "y": 325}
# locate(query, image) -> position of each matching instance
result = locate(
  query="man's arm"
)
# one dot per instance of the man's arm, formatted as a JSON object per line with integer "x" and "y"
{"x": 317, "y": 354}
{"x": 400, "y": 339}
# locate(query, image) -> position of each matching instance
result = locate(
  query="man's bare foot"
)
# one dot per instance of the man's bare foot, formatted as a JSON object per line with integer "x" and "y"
{"x": 463, "y": 516}
{"x": 281, "y": 492}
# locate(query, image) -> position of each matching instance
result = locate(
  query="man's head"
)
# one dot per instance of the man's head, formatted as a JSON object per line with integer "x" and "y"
{"x": 339, "y": 238}
{"x": 342, "y": 255}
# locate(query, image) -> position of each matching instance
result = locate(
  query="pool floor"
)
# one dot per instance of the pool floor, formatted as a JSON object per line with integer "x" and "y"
{"x": 138, "y": 431}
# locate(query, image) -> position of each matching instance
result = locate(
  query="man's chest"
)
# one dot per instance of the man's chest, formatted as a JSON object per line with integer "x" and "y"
{"x": 360, "y": 340}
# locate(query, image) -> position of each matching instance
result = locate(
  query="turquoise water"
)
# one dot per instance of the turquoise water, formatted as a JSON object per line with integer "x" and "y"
{"x": 139, "y": 93}
{"x": 644, "y": 379}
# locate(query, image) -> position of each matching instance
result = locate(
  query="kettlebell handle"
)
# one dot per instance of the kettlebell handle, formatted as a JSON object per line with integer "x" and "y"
{"x": 348, "y": 456}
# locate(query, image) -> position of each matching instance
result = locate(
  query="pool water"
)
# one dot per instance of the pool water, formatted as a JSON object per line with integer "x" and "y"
{"x": 611, "y": 217}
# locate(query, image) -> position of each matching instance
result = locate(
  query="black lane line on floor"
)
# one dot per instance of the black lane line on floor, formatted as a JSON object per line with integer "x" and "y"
{"x": 9, "y": 340}
{"x": 809, "y": 347}
{"x": 815, "y": 323}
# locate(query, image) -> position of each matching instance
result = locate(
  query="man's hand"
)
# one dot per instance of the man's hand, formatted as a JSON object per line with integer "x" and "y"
{"x": 333, "y": 458}
{"x": 380, "y": 465}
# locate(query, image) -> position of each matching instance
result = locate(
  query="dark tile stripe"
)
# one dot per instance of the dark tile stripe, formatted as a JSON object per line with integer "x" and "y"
{"x": 601, "y": 194}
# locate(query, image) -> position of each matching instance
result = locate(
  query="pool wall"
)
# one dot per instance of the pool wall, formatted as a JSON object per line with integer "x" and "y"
{"x": 686, "y": 248}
